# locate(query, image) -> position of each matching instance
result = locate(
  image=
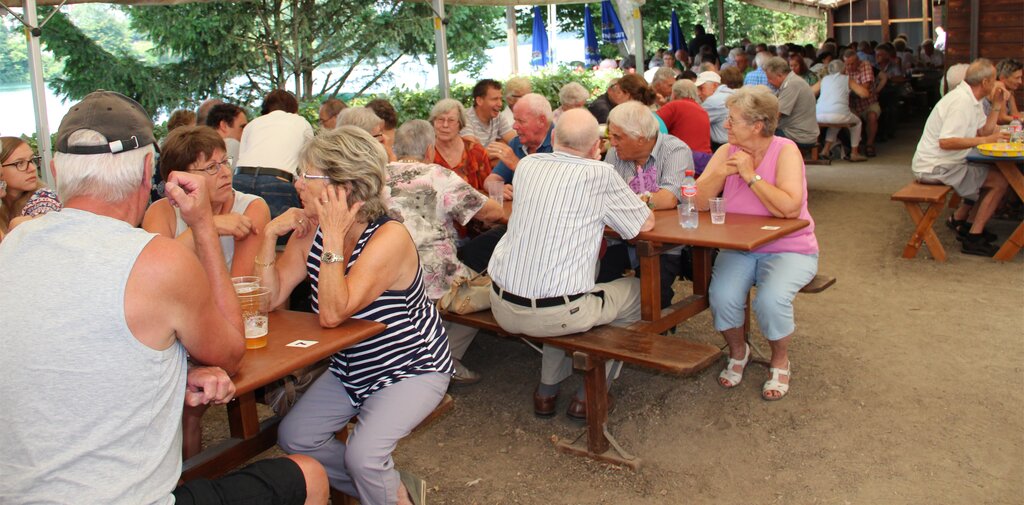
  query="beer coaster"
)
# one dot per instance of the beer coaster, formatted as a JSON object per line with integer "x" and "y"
{"x": 770, "y": 228}
{"x": 302, "y": 343}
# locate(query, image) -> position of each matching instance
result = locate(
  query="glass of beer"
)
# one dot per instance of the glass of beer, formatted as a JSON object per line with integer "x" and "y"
{"x": 245, "y": 283}
{"x": 255, "y": 302}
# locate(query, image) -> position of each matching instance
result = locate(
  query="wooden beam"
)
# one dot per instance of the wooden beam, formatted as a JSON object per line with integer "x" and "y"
{"x": 720, "y": 7}
{"x": 883, "y": 7}
{"x": 925, "y": 32}
{"x": 787, "y": 7}
{"x": 975, "y": 15}
{"x": 830, "y": 23}
{"x": 869, "y": 22}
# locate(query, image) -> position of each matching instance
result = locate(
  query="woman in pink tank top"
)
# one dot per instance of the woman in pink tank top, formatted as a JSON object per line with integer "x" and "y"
{"x": 761, "y": 174}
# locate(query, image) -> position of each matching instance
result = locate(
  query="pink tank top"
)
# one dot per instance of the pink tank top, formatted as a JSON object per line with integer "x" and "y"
{"x": 741, "y": 199}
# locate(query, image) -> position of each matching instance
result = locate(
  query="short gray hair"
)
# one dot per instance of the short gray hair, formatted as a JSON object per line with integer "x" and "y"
{"x": 573, "y": 94}
{"x": 635, "y": 119}
{"x": 538, "y": 105}
{"x": 354, "y": 159}
{"x": 664, "y": 74}
{"x": 447, "y": 105}
{"x": 579, "y": 133}
{"x": 836, "y": 67}
{"x": 685, "y": 88}
{"x": 777, "y": 66}
{"x": 517, "y": 84}
{"x": 413, "y": 138}
{"x": 360, "y": 117}
{"x": 980, "y": 69}
{"x": 761, "y": 57}
{"x": 109, "y": 177}
{"x": 756, "y": 103}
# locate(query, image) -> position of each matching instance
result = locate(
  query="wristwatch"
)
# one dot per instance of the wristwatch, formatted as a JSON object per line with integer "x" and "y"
{"x": 329, "y": 257}
{"x": 754, "y": 179}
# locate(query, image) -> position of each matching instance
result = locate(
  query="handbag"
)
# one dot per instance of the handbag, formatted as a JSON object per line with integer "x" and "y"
{"x": 467, "y": 295}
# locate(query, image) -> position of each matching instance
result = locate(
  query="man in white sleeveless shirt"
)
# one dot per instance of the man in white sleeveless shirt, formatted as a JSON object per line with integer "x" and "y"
{"x": 98, "y": 316}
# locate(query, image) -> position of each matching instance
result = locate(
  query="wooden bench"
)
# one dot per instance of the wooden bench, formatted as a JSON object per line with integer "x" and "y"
{"x": 818, "y": 284}
{"x": 590, "y": 351}
{"x": 934, "y": 197}
{"x": 824, "y": 126}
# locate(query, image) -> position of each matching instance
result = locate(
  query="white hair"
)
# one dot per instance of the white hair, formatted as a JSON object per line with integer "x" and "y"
{"x": 538, "y": 105}
{"x": 517, "y": 85}
{"x": 109, "y": 177}
{"x": 573, "y": 94}
{"x": 413, "y": 138}
{"x": 685, "y": 88}
{"x": 664, "y": 74}
{"x": 360, "y": 117}
{"x": 635, "y": 119}
{"x": 446, "y": 105}
{"x": 761, "y": 58}
{"x": 577, "y": 130}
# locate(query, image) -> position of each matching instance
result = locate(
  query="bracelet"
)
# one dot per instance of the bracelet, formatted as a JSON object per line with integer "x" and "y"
{"x": 264, "y": 265}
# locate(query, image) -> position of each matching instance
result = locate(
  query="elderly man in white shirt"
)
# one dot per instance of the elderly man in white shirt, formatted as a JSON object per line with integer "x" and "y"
{"x": 713, "y": 95}
{"x": 543, "y": 268}
{"x": 955, "y": 125}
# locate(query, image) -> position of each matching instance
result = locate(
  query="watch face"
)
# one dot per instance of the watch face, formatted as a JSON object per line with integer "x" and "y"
{"x": 329, "y": 257}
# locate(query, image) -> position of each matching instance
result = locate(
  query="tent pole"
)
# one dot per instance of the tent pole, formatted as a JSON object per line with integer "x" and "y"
{"x": 720, "y": 4}
{"x": 552, "y": 31}
{"x": 513, "y": 38}
{"x": 638, "y": 38}
{"x": 441, "y": 43}
{"x": 35, "y": 69}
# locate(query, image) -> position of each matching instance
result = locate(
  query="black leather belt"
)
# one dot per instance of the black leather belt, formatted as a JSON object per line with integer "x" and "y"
{"x": 534, "y": 302}
{"x": 266, "y": 171}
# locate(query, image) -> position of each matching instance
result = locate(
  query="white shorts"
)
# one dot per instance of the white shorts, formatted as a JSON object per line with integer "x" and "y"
{"x": 966, "y": 178}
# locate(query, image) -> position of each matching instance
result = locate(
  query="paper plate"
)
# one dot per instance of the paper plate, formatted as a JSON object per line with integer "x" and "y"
{"x": 1002, "y": 149}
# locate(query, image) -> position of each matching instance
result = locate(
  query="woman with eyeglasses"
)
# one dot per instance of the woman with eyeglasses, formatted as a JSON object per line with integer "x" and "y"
{"x": 237, "y": 216}
{"x": 465, "y": 157}
{"x": 762, "y": 174}
{"x": 363, "y": 265}
{"x": 25, "y": 195}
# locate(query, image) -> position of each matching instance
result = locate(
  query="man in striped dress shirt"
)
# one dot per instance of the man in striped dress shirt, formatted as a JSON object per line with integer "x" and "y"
{"x": 543, "y": 269}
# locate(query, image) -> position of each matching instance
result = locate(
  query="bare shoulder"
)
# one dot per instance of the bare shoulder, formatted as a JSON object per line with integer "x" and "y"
{"x": 165, "y": 263}
{"x": 159, "y": 217}
{"x": 159, "y": 288}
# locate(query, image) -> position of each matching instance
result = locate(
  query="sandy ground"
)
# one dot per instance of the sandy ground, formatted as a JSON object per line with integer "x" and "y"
{"x": 907, "y": 388}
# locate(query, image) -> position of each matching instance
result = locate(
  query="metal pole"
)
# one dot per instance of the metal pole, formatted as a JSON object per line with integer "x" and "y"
{"x": 35, "y": 69}
{"x": 441, "y": 42}
{"x": 638, "y": 39}
{"x": 513, "y": 38}
{"x": 552, "y": 30}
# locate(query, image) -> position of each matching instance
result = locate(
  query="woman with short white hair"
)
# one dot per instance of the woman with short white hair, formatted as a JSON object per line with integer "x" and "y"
{"x": 465, "y": 157}
{"x": 572, "y": 96}
{"x": 834, "y": 107}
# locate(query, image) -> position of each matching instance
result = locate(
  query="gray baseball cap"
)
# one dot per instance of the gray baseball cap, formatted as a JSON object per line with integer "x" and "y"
{"x": 120, "y": 119}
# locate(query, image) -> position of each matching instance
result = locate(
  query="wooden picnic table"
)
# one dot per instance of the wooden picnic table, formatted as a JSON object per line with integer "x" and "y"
{"x": 1010, "y": 167}
{"x": 741, "y": 232}
{"x": 261, "y": 367}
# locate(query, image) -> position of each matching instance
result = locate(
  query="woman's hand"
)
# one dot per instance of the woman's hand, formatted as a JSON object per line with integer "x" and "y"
{"x": 236, "y": 225}
{"x": 292, "y": 219}
{"x": 742, "y": 163}
{"x": 336, "y": 217}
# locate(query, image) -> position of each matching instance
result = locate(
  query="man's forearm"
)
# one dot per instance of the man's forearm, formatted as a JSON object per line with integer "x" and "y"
{"x": 212, "y": 258}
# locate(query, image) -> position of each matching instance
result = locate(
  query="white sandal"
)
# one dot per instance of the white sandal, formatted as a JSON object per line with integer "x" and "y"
{"x": 774, "y": 384}
{"x": 733, "y": 377}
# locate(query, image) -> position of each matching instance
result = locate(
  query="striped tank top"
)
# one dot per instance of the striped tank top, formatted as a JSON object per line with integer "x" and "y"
{"x": 414, "y": 342}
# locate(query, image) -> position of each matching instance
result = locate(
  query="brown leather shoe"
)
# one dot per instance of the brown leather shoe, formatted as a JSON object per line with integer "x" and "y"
{"x": 578, "y": 409}
{"x": 544, "y": 406}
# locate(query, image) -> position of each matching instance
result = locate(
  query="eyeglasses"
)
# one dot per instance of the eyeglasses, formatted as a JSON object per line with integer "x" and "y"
{"x": 378, "y": 136}
{"x": 730, "y": 121}
{"x": 214, "y": 167}
{"x": 22, "y": 165}
{"x": 302, "y": 173}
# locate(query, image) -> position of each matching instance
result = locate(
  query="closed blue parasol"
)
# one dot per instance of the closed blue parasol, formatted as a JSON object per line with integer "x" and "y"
{"x": 592, "y": 57}
{"x": 675, "y": 34}
{"x": 611, "y": 28}
{"x": 541, "y": 55}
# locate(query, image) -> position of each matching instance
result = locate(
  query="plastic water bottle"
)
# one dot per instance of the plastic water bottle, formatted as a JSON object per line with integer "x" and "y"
{"x": 1016, "y": 130}
{"x": 688, "y": 207}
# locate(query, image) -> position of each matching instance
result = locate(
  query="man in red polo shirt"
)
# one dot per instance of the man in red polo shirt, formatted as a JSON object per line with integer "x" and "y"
{"x": 688, "y": 121}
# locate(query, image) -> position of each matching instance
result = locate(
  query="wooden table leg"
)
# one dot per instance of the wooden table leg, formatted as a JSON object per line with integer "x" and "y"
{"x": 924, "y": 231}
{"x": 1013, "y": 244}
{"x": 243, "y": 420}
{"x": 650, "y": 281}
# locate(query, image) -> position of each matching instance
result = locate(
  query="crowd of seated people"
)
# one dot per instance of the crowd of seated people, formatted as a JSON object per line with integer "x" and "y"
{"x": 412, "y": 197}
